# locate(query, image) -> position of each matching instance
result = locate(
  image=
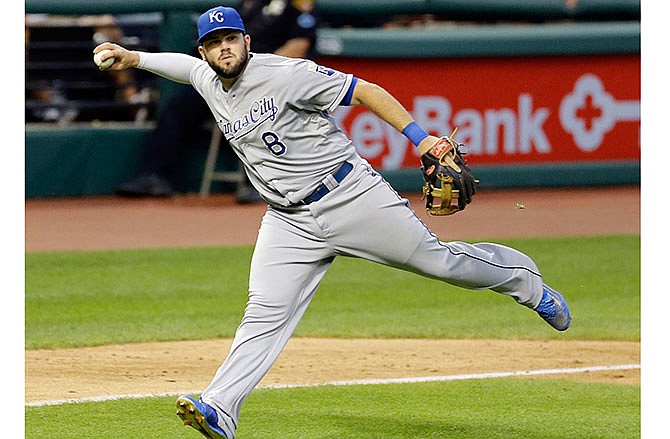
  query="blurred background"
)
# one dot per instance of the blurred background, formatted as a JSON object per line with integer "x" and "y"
{"x": 544, "y": 93}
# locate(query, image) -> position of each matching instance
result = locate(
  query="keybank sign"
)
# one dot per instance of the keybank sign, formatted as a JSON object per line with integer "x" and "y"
{"x": 526, "y": 129}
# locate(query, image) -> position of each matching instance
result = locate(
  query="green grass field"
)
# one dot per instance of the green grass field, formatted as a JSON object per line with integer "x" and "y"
{"x": 500, "y": 408}
{"x": 83, "y": 299}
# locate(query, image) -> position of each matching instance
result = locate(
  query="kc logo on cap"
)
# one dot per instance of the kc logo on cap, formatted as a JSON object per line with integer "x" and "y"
{"x": 219, "y": 18}
{"x": 216, "y": 16}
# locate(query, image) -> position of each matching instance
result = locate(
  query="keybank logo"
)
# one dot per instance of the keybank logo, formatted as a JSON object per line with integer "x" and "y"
{"x": 589, "y": 112}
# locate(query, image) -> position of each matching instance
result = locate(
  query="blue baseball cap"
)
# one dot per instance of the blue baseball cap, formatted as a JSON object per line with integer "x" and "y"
{"x": 219, "y": 18}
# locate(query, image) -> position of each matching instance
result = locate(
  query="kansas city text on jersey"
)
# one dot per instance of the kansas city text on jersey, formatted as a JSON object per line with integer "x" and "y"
{"x": 260, "y": 110}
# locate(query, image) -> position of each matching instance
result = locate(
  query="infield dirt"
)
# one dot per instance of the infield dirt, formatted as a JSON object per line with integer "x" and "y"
{"x": 187, "y": 221}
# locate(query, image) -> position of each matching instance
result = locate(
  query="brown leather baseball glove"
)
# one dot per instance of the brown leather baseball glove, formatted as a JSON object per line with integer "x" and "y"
{"x": 449, "y": 183}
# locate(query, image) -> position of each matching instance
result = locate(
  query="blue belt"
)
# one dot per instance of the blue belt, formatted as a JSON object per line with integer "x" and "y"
{"x": 329, "y": 183}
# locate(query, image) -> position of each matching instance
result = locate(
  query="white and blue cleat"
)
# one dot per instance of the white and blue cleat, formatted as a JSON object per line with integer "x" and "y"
{"x": 200, "y": 416}
{"x": 553, "y": 309}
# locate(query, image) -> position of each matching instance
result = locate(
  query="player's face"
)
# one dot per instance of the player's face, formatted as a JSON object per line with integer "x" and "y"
{"x": 226, "y": 52}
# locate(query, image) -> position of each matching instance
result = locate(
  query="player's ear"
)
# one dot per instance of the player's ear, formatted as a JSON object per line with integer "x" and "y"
{"x": 201, "y": 51}
{"x": 247, "y": 41}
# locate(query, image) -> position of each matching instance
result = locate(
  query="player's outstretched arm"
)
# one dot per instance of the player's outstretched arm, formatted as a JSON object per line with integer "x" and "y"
{"x": 381, "y": 103}
{"x": 174, "y": 66}
{"x": 387, "y": 107}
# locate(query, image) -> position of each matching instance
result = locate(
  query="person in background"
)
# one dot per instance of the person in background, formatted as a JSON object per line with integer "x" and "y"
{"x": 282, "y": 27}
{"x": 56, "y": 104}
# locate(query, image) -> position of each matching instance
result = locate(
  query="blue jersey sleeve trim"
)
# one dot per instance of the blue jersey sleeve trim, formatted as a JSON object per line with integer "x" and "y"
{"x": 346, "y": 101}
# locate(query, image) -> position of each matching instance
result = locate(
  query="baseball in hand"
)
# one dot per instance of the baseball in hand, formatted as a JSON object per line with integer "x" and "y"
{"x": 103, "y": 64}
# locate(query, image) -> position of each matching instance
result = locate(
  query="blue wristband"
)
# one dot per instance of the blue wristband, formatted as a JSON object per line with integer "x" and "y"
{"x": 414, "y": 133}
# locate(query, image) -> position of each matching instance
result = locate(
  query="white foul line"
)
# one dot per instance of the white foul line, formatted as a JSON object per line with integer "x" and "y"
{"x": 410, "y": 380}
{"x": 474, "y": 376}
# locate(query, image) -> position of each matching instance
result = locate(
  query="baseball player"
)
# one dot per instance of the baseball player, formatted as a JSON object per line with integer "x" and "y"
{"x": 324, "y": 200}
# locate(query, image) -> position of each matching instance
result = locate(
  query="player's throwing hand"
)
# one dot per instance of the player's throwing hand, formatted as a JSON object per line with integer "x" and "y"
{"x": 123, "y": 58}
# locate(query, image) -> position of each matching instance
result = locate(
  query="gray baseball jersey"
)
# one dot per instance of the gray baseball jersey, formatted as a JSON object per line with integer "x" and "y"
{"x": 276, "y": 119}
{"x": 324, "y": 201}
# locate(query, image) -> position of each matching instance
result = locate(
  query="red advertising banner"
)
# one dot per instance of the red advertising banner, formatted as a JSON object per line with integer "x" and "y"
{"x": 507, "y": 110}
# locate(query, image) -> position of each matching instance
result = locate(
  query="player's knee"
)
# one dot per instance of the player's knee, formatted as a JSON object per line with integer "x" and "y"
{"x": 270, "y": 307}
